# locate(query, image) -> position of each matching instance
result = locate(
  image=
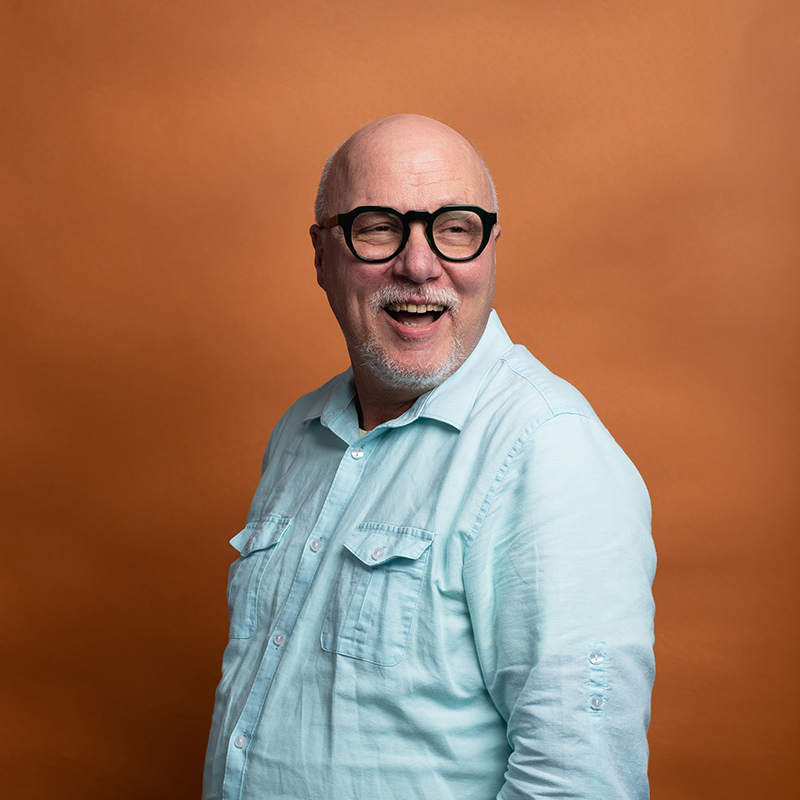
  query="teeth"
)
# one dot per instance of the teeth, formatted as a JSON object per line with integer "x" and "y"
{"x": 413, "y": 308}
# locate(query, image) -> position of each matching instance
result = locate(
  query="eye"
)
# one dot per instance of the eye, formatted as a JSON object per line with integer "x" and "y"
{"x": 457, "y": 224}
{"x": 376, "y": 223}
{"x": 453, "y": 227}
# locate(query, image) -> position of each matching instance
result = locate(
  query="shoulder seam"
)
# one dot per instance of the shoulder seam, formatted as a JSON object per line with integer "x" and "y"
{"x": 523, "y": 437}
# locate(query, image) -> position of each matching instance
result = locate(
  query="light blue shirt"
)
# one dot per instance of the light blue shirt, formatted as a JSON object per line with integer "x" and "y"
{"x": 456, "y": 606}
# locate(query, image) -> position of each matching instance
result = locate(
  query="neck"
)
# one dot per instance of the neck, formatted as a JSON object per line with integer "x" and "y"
{"x": 376, "y": 407}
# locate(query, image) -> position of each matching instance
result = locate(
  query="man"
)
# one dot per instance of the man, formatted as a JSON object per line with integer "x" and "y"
{"x": 443, "y": 589}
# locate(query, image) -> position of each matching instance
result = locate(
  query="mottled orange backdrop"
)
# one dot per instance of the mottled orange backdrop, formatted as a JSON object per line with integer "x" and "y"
{"x": 158, "y": 311}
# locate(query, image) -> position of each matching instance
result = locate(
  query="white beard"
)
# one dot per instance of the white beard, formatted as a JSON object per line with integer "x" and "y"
{"x": 418, "y": 377}
{"x": 409, "y": 377}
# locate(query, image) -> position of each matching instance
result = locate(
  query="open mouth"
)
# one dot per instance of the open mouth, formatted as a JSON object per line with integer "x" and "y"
{"x": 413, "y": 315}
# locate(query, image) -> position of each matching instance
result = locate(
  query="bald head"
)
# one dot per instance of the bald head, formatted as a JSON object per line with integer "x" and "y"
{"x": 405, "y": 149}
{"x": 409, "y": 320}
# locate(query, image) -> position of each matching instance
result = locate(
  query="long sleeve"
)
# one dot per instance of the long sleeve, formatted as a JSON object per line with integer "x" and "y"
{"x": 558, "y": 583}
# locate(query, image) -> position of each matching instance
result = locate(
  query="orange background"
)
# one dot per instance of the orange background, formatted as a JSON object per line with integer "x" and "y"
{"x": 158, "y": 310}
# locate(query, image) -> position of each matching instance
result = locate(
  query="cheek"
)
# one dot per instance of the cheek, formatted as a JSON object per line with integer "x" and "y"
{"x": 350, "y": 300}
{"x": 362, "y": 286}
{"x": 477, "y": 286}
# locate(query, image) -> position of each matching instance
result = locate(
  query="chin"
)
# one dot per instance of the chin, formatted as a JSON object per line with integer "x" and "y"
{"x": 409, "y": 377}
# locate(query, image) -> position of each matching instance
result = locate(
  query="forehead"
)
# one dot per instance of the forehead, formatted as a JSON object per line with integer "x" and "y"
{"x": 412, "y": 171}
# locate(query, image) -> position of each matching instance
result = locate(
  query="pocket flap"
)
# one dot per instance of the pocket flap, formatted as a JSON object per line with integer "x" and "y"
{"x": 260, "y": 534}
{"x": 375, "y": 543}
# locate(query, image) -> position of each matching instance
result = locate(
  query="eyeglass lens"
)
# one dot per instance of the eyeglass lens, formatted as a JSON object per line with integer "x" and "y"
{"x": 377, "y": 234}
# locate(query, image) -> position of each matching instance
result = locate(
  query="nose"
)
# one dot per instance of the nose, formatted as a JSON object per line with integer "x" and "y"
{"x": 417, "y": 262}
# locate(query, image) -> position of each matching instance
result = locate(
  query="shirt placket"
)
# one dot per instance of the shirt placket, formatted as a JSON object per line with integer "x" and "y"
{"x": 348, "y": 474}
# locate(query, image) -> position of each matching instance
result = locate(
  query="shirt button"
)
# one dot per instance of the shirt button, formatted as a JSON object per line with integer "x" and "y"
{"x": 596, "y": 657}
{"x": 279, "y": 639}
{"x": 596, "y": 703}
{"x": 316, "y": 545}
{"x": 357, "y": 453}
{"x": 240, "y": 741}
{"x": 377, "y": 553}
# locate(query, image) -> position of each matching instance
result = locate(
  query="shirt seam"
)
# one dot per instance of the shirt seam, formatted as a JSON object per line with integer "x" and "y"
{"x": 516, "y": 446}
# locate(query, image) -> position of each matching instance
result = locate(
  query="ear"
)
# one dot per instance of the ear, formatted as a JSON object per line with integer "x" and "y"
{"x": 318, "y": 240}
{"x": 497, "y": 231}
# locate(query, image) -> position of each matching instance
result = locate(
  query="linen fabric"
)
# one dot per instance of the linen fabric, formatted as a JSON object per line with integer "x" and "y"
{"x": 455, "y": 606}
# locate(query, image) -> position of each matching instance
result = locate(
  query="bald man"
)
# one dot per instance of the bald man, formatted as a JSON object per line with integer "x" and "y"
{"x": 443, "y": 587}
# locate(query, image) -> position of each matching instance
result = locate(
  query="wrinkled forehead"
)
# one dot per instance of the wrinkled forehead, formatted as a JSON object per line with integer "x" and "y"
{"x": 412, "y": 172}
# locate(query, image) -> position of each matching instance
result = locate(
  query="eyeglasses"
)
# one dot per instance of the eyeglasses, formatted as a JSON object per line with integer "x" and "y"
{"x": 378, "y": 233}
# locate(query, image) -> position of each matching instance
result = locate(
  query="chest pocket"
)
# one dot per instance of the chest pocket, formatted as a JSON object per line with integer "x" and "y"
{"x": 256, "y": 544}
{"x": 376, "y": 597}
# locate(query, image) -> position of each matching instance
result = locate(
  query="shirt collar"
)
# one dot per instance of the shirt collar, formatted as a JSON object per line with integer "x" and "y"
{"x": 452, "y": 400}
{"x": 335, "y": 398}
{"x": 449, "y": 402}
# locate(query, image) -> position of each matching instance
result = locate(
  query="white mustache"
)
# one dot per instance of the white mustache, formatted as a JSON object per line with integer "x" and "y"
{"x": 421, "y": 294}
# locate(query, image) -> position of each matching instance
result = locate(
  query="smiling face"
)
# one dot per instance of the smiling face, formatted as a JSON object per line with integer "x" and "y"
{"x": 410, "y": 322}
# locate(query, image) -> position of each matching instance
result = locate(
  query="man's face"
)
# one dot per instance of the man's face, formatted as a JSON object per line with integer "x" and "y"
{"x": 414, "y": 168}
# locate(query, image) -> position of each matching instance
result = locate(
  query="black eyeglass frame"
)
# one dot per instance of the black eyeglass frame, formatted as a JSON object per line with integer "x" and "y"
{"x": 345, "y": 222}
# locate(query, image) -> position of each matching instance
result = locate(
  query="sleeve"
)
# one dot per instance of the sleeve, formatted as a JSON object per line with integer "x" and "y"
{"x": 558, "y": 584}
